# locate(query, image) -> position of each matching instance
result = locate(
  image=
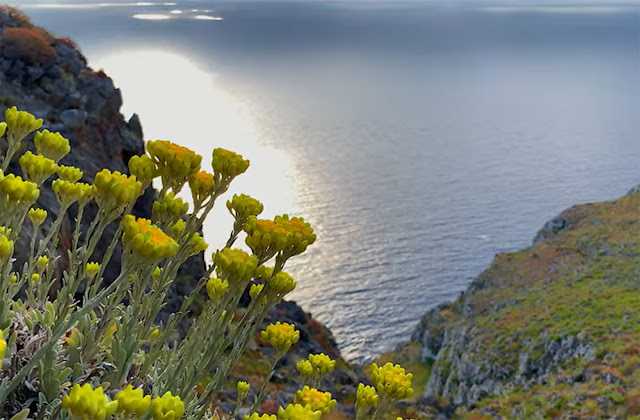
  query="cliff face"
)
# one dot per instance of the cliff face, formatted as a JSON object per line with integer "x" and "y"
{"x": 551, "y": 331}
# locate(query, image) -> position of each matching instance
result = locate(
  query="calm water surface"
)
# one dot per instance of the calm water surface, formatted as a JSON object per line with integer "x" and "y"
{"x": 420, "y": 139}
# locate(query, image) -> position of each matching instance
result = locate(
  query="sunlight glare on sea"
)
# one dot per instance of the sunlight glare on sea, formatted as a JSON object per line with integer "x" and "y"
{"x": 196, "y": 113}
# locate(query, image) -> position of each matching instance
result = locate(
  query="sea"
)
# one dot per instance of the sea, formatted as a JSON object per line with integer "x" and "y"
{"x": 419, "y": 138}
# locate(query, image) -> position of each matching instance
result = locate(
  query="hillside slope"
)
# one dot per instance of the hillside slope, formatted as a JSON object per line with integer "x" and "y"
{"x": 551, "y": 331}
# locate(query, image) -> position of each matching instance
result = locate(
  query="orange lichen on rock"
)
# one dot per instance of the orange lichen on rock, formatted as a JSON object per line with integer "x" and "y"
{"x": 28, "y": 43}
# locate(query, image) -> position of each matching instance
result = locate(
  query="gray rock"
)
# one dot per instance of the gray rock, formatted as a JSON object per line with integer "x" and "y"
{"x": 73, "y": 117}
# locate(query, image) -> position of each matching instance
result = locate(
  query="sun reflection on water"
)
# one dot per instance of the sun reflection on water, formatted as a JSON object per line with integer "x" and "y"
{"x": 180, "y": 102}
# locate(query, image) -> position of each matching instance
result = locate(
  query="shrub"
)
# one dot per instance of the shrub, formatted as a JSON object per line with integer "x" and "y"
{"x": 100, "y": 357}
{"x": 27, "y": 43}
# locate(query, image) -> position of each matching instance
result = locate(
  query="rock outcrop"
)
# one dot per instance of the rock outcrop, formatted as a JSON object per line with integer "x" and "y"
{"x": 551, "y": 331}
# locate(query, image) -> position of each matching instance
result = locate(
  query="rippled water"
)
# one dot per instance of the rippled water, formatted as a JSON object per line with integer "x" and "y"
{"x": 419, "y": 138}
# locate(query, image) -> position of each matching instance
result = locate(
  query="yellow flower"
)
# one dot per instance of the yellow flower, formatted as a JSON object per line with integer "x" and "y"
{"x": 281, "y": 336}
{"x": 316, "y": 400}
{"x": 83, "y": 403}
{"x": 146, "y": 240}
{"x": 216, "y": 288}
{"x": 167, "y": 407}
{"x": 144, "y": 169}
{"x": 243, "y": 389}
{"x": 155, "y": 334}
{"x": 42, "y": 262}
{"x": 168, "y": 209}
{"x": 37, "y": 168}
{"x": 176, "y": 164}
{"x": 114, "y": 189}
{"x": 133, "y": 402}
{"x": 305, "y": 368}
{"x": 92, "y": 269}
{"x": 255, "y": 290}
{"x": 69, "y": 173}
{"x": 298, "y": 412}
{"x": 321, "y": 363}
{"x": 299, "y": 234}
{"x": 264, "y": 237}
{"x": 236, "y": 266}
{"x": 3, "y": 128}
{"x": 35, "y": 278}
{"x": 3, "y": 347}
{"x": 6, "y": 247}
{"x": 392, "y": 381}
{"x": 226, "y": 166}
{"x": 279, "y": 285}
{"x": 16, "y": 193}
{"x": 37, "y": 216}
{"x": 202, "y": 186}
{"x": 256, "y": 416}
{"x": 366, "y": 397}
{"x": 68, "y": 192}
{"x": 241, "y": 208}
{"x": 51, "y": 145}
{"x": 196, "y": 244}
{"x": 20, "y": 124}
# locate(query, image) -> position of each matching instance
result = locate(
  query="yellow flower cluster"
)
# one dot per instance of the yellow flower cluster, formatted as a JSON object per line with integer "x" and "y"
{"x": 299, "y": 233}
{"x": 146, "y": 240}
{"x": 167, "y": 407}
{"x": 16, "y": 193}
{"x": 37, "y": 216}
{"x": 144, "y": 169}
{"x": 42, "y": 262}
{"x": 226, "y": 166}
{"x": 392, "y": 380}
{"x": 175, "y": 164}
{"x": 216, "y": 288}
{"x": 298, "y": 412}
{"x": 168, "y": 209}
{"x": 3, "y": 128}
{"x": 6, "y": 245}
{"x": 115, "y": 189}
{"x": 366, "y": 397}
{"x": 264, "y": 237}
{"x": 37, "y": 168}
{"x": 321, "y": 363}
{"x": 281, "y": 336}
{"x": 243, "y": 389}
{"x": 256, "y": 416}
{"x": 242, "y": 207}
{"x": 316, "y": 400}
{"x": 3, "y": 347}
{"x": 279, "y": 285}
{"x": 68, "y": 192}
{"x": 84, "y": 403}
{"x": 69, "y": 173}
{"x": 202, "y": 186}
{"x": 133, "y": 402}
{"x": 20, "y": 123}
{"x": 235, "y": 265}
{"x": 291, "y": 236}
{"x": 51, "y": 145}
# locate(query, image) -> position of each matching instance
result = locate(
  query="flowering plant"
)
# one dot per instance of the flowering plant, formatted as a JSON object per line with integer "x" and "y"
{"x": 104, "y": 356}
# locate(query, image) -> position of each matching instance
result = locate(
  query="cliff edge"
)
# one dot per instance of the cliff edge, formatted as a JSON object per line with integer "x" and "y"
{"x": 551, "y": 331}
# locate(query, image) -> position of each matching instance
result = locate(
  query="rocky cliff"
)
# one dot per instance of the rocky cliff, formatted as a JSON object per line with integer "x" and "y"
{"x": 551, "y": 331}
{"x": 49, "y": 77}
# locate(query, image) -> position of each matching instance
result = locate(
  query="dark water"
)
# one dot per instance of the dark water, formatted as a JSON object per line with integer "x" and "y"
{"x": 419, "y": 138}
